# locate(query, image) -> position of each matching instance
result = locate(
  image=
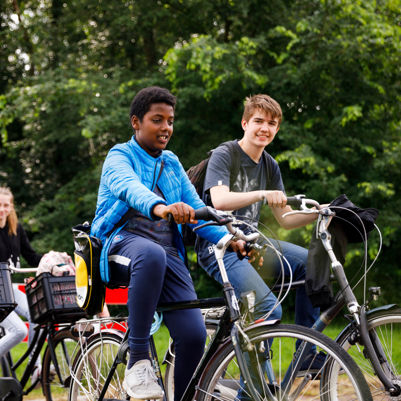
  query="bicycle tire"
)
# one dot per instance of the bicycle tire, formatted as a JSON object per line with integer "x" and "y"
{"x": 65, "y": 346}
{"x": 387, "y": 327}
{"x": 169, "y": 361}
{"x": 92, "y": 365}
{"x": 221, "y": 378}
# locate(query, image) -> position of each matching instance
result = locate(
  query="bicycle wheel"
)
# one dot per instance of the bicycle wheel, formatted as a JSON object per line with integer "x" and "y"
{"x": 273, "y": 351}
{"x": 93, "y": 364}
{"x": 386, "y": 326}
{"x": 170, "y": 357}
{"x": 56, "y": 387}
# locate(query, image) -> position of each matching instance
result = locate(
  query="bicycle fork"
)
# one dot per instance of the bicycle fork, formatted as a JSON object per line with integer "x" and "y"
{"x": 243, "y": 345}
{"x": 373, "y": 350}
{"x": 376, "y": 355}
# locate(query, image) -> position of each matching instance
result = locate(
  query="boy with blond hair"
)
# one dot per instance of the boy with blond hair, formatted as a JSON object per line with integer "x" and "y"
{"x": 259, "y": 180}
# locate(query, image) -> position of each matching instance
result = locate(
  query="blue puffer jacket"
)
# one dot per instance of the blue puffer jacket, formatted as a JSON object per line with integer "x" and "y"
{"x": 128, "y": 178}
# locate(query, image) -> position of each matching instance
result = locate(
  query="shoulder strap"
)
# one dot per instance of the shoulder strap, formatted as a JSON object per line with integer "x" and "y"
{"x": 235, "y": 159}
{"x": 265, "y": 157}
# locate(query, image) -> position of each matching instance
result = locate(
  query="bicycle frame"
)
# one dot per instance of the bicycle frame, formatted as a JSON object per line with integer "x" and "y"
{"x": 347, "y": 298}
{"x": 41, "y": 335}
{"x": 228, "y": 329}
{"x": 36, "y": 345}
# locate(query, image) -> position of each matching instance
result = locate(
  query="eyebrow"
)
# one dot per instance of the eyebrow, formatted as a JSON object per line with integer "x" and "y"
{"x": 161, "y": 115}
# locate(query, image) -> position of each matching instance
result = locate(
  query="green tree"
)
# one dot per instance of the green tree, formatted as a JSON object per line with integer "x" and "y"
{"x": 71, "y": 69}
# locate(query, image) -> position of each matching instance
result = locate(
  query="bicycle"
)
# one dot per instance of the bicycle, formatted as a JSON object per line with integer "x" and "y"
{"x": 54, "y": 328}
{"x": 263, "y": 360}
{"x": 377, "y": 330}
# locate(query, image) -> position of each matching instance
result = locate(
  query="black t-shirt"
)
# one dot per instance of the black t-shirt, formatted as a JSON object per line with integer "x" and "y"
{"x": 12, "y": 247}
{"x": 264, "y": 175}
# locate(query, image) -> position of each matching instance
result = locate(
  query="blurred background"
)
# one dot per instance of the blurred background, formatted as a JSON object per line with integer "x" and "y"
{"x": 69, "y": 70}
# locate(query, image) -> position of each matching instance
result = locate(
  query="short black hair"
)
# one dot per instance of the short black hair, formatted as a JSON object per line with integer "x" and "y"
{"x": 142, "y": 101}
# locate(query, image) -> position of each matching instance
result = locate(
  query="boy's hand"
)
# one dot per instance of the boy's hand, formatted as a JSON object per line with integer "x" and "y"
{"x": 255, "y": 255}
{"x": 274, "y": 198}
{"x": 181, "y": 212}
{"x": 239, "y": 247}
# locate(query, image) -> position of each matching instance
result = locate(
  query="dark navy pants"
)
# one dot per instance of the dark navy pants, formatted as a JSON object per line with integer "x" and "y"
{"x": 154, "y": 276}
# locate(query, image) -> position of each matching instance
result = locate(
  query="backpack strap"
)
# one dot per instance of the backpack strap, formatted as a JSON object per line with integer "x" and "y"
{"x": 235, "y": 159}
{"x": 235, "y": 155}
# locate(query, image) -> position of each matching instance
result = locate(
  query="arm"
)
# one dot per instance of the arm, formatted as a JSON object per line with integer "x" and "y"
{"x": 293, "y": 221}
{"x": 27, "y": 251}
{"x": 223, "y": 199}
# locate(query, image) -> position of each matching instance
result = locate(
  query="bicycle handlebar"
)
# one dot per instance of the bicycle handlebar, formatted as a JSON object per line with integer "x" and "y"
{"x": 23, "y": 270}
{"x": 302, "y": 204}
{"x": 295, "y": 201}
{"x": 221, "y": 218}
{"x": 209, "y": 214}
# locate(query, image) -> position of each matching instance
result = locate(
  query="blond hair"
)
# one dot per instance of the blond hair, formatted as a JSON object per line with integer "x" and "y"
{"x": 264, "y": 103}
{"x": 12, "y": 218}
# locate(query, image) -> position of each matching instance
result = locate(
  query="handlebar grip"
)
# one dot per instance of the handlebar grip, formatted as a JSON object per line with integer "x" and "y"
{"x": 207, "y": 213}
{"x": 294, "y": 201}
{"x": 202, "y": 214}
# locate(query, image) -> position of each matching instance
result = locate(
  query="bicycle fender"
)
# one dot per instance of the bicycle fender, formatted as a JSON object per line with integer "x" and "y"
{"x": 383, "y": 308}
{"x": 371, "y": 313}
{"x": 258, "y": 323}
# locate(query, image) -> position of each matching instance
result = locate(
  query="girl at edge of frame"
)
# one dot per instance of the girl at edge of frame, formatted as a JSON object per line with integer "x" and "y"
{"x": 14, "y": 243}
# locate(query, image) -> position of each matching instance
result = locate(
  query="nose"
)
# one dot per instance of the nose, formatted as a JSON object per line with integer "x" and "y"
{"x": 166, "y": 126}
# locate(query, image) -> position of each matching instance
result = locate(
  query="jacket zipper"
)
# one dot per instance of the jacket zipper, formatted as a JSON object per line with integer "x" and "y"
{"x": 154, "y": 183}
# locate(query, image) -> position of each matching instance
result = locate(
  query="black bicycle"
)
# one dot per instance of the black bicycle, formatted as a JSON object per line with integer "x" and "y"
{"x": 243, "y": 360}
{"x": 373, "y": 336}
{"x": 52, "y": 306}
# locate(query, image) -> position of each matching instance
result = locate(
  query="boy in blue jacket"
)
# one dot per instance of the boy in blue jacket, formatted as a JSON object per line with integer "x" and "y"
{"x": 142, "y": 183}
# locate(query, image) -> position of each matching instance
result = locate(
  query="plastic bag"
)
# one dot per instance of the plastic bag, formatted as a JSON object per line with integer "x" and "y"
{"x": 56, "y": 263}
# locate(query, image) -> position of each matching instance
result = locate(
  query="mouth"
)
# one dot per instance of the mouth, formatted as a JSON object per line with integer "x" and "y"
{"x": 163, "y": 138}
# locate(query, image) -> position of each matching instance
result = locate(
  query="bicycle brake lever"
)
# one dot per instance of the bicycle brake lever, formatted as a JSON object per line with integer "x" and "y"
{"x": 300, "y": 212}
{"x": 209, "y": 223}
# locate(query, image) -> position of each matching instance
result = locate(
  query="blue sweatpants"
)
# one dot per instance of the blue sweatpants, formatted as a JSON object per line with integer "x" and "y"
{"x": 154, "y": 276}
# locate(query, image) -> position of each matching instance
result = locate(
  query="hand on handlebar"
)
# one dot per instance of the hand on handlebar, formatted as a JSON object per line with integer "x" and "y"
{"x": 274, "y": 198}
{"x": 239, "y": 247}
{"x": 180, "y": 212}
{"x": 255, "y": 256}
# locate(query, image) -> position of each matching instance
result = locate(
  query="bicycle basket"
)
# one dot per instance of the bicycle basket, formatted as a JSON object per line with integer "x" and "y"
{"x": 52, "y": 298}
{"x": 7, "y": 302}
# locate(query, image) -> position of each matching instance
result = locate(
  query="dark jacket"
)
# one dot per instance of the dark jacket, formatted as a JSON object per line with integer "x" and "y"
{"x": 350, "y": 224}
{"x": 318, "y": 267}
{"x": 16, "y": 245}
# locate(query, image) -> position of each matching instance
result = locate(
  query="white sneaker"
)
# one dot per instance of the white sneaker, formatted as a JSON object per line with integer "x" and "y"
{"x": 35, "y": 376}
{"x": 141, "y": 382}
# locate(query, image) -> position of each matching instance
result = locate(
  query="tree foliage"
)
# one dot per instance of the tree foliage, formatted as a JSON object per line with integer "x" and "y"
{"x": 71, "y": 69}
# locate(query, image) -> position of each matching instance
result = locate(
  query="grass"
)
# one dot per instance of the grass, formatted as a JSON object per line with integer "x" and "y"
{"x": 162, "y": 343}
{"x": 17, "y": 353}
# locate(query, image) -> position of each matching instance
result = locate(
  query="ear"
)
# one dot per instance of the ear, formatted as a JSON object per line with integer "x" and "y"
{"x": 244, "y": 124}
{"x": 135, "y": 123}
